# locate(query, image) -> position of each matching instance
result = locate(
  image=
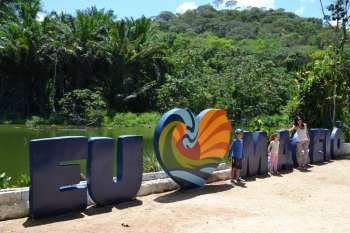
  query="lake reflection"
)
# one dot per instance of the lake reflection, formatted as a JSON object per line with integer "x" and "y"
{"x": 14, "y": 143}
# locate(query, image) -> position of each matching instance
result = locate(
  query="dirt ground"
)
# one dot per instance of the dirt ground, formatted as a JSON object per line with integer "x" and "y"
{"x": 314, "y": 201}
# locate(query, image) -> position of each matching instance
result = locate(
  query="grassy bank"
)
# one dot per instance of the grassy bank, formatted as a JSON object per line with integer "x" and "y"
{"x": 147, "y": 119}
{"x": 121, "y": 119}
{"x": 7, "y": 181}
{"x": 266, "y": 123}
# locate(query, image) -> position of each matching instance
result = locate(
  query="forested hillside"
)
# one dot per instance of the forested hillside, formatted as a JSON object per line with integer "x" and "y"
{"x": 253, "y": 63}
{"x": 259, "y": 65}
{"x": 285, "y": 28}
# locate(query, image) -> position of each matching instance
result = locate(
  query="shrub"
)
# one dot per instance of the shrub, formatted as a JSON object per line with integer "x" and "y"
{"x": 346, "y": 124}
{"x": 4, "y": 181}
{"x": 270, "y": 124}
{"x": 23, "y": 181}
{"x": 82, "y": 107}
{"x": 147, "y": 119}
{"x": 35, "y": 121}
{"x": 151, "y": 163}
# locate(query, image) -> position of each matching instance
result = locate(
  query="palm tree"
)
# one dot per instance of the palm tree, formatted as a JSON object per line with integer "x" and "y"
{"x": 139, "y": 66}
{"x": 41, "y": 61}
{"x": 20, "y": 40}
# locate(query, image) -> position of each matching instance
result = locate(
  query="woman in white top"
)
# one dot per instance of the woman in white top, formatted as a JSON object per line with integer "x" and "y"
{"x": 303, "y": 139}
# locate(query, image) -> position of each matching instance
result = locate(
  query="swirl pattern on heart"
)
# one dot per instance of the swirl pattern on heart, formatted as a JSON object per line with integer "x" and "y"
{"x": 190, "y": 148}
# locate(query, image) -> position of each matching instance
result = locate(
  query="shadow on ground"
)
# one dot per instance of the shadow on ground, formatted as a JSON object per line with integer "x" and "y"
{"x": 345, "y": 157}
{"x": 90, "y": 211}
{"x": 254, "y": 178}
{"x": 321, "y": 163}
{"x": 181, "y": 195}
{"x": 30, "y": 222}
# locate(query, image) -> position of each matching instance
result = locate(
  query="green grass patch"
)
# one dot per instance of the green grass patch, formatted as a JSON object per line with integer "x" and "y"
{"x": 147, "y": 119}
{"x": 7, "y": 181}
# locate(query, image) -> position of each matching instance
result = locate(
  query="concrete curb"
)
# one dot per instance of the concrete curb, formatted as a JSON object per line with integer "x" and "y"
{"x": 14, "y": 203}
{"x": 346, "y": 149}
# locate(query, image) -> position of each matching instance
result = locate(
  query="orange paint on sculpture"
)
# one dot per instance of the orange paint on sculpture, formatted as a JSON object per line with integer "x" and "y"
{"x": 214, "y": 132}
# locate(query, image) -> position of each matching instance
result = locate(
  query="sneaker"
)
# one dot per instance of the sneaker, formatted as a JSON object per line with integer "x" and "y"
{"x": 240, "y": 180}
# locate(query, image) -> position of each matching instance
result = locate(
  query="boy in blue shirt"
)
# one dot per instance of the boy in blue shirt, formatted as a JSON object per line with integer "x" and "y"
{"x": 236, "y": 154}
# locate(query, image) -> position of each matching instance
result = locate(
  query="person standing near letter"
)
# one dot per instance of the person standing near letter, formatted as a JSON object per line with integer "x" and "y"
{"x": 236, "y": 154}
{"x": 301, "y": 133}
{"x": 273, "y": 151}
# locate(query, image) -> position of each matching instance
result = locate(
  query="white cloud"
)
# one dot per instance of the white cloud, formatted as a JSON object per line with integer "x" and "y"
{"x": 256, "y": 3}
{"x": 252, "y": 3}
{"x": 300, "y": 11}
{"x": 183, "y": 7}
{"x": 333, "y": 23}
{"x": 40, "y": 16}
{"x": 307, "y": 1}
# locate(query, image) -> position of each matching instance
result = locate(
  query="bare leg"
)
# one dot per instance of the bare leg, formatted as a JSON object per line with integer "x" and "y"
{"x": 299, "y": 154}
{"x": 274, "y": 158}
{"x": 232, "y": 169}
{"x": 238, "y": 172}
{"x": 306, "y": 153}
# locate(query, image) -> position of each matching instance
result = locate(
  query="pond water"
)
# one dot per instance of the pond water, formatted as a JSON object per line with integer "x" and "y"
{"x": 14, "y": 143}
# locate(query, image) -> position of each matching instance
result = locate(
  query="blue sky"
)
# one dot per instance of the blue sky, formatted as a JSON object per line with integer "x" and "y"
{"x": 136, "y": 8}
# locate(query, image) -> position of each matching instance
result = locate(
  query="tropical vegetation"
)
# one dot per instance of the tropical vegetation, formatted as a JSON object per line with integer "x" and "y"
{"x": 261, "y": 66}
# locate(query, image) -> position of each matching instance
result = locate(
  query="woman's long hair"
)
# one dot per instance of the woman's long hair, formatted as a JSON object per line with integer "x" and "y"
{"x": 296, "y": 121}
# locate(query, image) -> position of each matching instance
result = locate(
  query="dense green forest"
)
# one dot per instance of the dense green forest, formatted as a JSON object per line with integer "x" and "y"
{"x": 261, "y": 66}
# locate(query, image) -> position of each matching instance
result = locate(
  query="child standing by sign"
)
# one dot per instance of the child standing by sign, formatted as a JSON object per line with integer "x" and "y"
{"x": 273, "y": 152}
{"x": 236, "y": 154}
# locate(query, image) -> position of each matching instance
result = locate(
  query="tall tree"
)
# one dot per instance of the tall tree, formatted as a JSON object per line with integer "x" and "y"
{"x": 337, "y": 16}
{"x": 20, "y": 41}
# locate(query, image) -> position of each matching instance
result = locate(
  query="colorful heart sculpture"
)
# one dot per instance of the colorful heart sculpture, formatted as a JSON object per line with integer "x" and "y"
{"x": 190, "y": 148}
